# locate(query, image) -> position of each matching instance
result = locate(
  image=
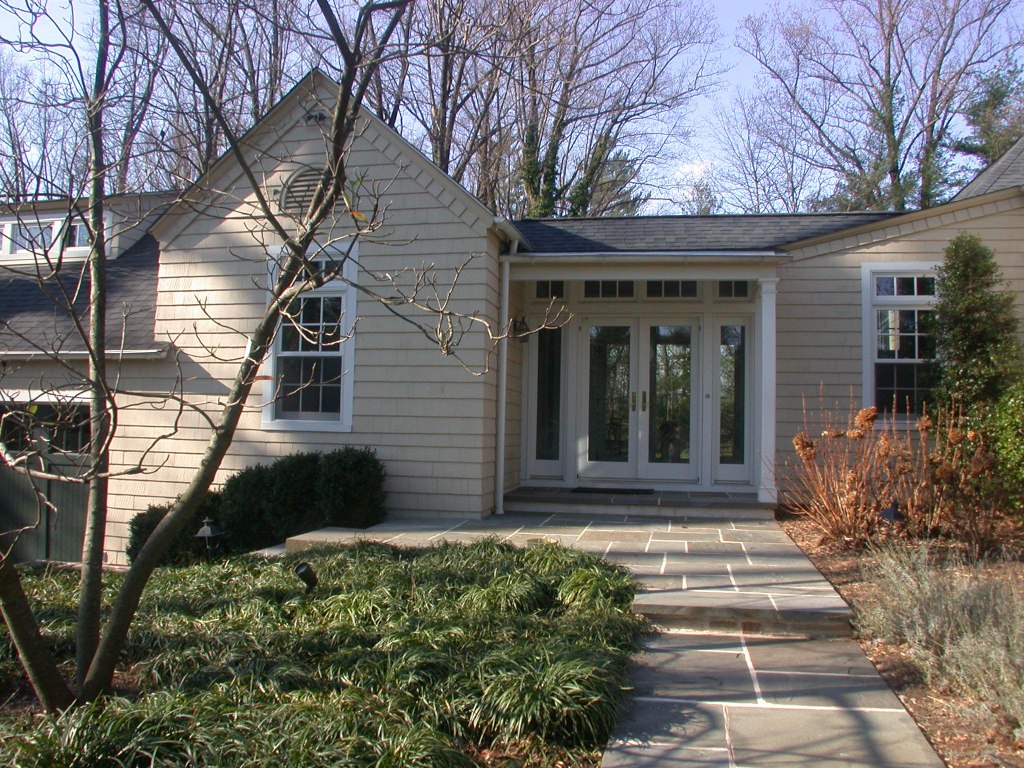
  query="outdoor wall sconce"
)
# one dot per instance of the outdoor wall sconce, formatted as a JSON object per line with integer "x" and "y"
{"x": 520, "y": 329}
{"x": 307, "y": 575}
{"x": 209, "y": 532}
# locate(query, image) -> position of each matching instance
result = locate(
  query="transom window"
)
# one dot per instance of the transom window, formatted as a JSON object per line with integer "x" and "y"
{"x": 902, "y": 345}
{"x": 671, "y": 289}
{"x": 733, "y": 289}
{"x": 550, "y": 289}
{"x": 608, "y": 289}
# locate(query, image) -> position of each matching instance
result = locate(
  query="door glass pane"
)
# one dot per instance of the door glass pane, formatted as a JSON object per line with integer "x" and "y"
{"x": 609, "y": 393}
{"x": 549, "y": 392}
{"x": 670, "y": 377}
{"x": 732, "y": 370}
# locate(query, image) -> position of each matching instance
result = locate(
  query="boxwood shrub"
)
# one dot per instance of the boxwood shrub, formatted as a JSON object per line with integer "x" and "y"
{"x": 265, "y": 504}
{"x": 1007, "y": 425}
{"x": 186, "y": 548}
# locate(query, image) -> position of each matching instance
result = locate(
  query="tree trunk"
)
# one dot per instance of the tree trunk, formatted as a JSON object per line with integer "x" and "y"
{"x": 91, "y": 586}
{"x": 53, "y": 693}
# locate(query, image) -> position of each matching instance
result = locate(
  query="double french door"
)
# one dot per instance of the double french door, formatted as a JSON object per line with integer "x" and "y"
{"x": 663, "y": 400}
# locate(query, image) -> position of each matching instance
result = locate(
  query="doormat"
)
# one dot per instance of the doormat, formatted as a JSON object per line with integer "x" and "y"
{"x": 618, "y": 491}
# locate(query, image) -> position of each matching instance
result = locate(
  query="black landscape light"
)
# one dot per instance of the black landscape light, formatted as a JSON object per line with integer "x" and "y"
{"x": 892, "y": 514}
{"x": 209, "y": 532}
{"x": 307, "y": 575}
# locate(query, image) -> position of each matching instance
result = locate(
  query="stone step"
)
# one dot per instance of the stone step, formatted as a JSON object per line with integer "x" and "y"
{"x": 638, "y": 506}
{"x": 816, "y": 616}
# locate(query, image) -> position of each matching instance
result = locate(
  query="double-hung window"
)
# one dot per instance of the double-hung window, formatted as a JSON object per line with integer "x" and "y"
{"x": 899, "y": 346}
{"x": 312, "y": 360}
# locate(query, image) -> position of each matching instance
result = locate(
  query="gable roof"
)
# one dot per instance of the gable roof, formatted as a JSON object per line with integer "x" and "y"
{"x": 315, "y": 83}
{"x": 675, "y": 234}
{"x": 1004, "y": 173}
{"x": 34, "y": 319}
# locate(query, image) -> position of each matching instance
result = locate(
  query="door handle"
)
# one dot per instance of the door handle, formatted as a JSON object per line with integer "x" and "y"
{"x": 632, "y": 401}
{"x": 643, "y": 401}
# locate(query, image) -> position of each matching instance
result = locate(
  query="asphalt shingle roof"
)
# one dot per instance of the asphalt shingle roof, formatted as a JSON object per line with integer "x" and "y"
{"x": 1004, "y": 173}
{"x": 34, "y": 314}
{"x": 720, "y": 233}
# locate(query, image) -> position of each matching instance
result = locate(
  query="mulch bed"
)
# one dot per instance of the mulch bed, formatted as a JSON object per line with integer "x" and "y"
{"x": 944, "y": 716}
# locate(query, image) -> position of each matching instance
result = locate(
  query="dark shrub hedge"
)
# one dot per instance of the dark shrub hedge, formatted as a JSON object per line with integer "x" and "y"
{"x": 263, "y": 505}
{"x": 186, "y": 547}
{"x": 351, "y": 488}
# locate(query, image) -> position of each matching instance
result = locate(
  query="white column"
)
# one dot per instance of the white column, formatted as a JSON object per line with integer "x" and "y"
{"x": 766, "y": 489}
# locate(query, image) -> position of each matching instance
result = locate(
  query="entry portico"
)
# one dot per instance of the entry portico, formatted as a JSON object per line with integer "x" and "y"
{"x": 655, "y": 363}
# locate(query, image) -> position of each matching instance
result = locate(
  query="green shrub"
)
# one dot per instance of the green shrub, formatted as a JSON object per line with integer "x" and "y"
{"x": 1007, "y": 425}
{"x": 351, "y": 488}
{"x": 264, "y": 505}
{"x": 186, "y": 548}
{"x": 975, "y": 327}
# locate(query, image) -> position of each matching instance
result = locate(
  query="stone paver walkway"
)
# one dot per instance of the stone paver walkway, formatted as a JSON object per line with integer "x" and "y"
{"x": 754, "y": 665}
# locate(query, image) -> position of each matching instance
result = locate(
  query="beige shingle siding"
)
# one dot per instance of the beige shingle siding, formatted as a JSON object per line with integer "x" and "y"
{"x": 430, "y": 421}
{"x": 820, "y": 345}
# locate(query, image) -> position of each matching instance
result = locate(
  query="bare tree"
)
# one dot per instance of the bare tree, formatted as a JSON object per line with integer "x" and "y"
{"x": 601, "y": 76}
{"x": 98, "y": 648}
{"x": 307, "y": 245}
{"x": 535, "y": 106}
{"x": 875, "y": 87}
{"x": 765, "y": 165}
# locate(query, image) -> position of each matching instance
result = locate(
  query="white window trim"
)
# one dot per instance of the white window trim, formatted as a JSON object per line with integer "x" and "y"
{"x": 58, "y": 224}
{"x": 868, "y": 274}
{"x": 349, "y": 295}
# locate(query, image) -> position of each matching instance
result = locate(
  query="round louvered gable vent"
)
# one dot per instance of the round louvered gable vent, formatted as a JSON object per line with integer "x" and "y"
{"x": 298, "y": 191}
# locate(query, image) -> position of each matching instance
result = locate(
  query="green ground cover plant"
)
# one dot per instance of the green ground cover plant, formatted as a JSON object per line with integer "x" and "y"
{"x": 482, "y": 654}
{"x": 963, "y": 624}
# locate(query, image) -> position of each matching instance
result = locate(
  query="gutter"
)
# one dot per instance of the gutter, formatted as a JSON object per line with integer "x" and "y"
{"x": 157, "y": 353}
{"x": 674, "y": 257}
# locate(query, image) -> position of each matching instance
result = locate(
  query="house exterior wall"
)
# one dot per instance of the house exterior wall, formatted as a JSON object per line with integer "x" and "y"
{"x": 821, "y": 303}
{"x": 428, "y": 417}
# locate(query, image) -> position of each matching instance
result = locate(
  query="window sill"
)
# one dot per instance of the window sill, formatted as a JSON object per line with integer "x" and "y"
{"x": 301, "y": 425}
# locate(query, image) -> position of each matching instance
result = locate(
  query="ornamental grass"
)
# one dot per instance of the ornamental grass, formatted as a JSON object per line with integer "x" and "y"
{"x": 862, "y": 475}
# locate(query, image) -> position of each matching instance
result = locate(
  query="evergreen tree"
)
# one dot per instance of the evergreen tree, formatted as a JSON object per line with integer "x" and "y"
{"x": 995, "y": 115}
{"x": 977, "y": 349}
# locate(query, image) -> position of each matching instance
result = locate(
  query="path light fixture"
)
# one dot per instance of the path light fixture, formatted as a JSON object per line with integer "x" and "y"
{"x": 209, "y": 533}
{"x": 307, "y": 575}
{"x": 892, "y": 514}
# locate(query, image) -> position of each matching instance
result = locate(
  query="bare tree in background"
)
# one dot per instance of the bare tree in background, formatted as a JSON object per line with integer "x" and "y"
{"x": 875, "y": 87}
{"x": 766, "y": 168}
{"x": 545, "y": 108}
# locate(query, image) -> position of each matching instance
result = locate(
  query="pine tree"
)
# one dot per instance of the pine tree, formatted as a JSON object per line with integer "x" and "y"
{"x": 977, "y": 350}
